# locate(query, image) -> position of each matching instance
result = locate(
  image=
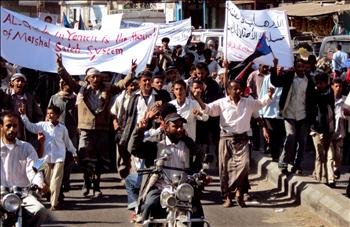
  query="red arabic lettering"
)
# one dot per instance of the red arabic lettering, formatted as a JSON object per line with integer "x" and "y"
{"x": 237, "y": 46}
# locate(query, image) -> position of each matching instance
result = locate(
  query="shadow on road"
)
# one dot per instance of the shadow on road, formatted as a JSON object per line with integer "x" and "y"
{"x": 53, "y": 223}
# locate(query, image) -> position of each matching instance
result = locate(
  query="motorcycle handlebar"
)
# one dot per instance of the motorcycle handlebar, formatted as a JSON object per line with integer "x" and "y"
{"x": 147, "y": 170}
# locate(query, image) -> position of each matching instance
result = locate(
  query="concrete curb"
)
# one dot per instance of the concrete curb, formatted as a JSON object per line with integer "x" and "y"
{"x": 328, "y": 204}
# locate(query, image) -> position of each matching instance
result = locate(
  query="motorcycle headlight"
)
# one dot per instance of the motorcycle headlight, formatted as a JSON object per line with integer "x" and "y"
{"x": 184, "y": 192}
{"x": 167, "y": 198}
{"x": 11, "y": 202}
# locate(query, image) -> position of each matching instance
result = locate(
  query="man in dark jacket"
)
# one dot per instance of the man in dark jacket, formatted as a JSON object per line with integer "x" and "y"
{"x": 183, "y": 155}
{"x": 139, "y": 104}
{"x": 208, "y": 133}
{"x": 296, "y": 106}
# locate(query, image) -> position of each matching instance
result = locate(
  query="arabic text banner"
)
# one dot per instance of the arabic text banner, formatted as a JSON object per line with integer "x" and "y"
{"x": 32, "y": 43}
{"x": 243, "y": 29}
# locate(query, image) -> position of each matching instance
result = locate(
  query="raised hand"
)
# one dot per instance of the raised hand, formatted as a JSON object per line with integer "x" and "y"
{"x": 153, "y": 111}
{"x": 196, "y": 95}
{"x": 197, "y": 112}
{"x": 275, "y": 62}
{"x": 133, "y": 65}
{"x": 59, "y": 60}
{"x": 143, "y": 123}
{"x": 21, "y": 109}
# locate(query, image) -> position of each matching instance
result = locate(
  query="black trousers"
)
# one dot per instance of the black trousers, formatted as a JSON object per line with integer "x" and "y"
{"x": 277, "y": 135}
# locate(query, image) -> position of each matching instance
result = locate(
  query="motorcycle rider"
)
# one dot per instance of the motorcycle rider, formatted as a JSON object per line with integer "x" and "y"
{"x": 184, "y": 155}
{"x": 17, "y": 158}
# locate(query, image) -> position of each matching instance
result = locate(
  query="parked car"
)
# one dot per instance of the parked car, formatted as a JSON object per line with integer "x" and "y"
{"x": 329, "y": 43}
{"x": 204, "y": 35}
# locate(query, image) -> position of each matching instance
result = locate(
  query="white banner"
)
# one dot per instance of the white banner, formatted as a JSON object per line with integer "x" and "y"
{"x": 243, "y": 29}
{"x": 111, "y": 22}
{"x": 178, "y": 32}
{"x": 131, "y": 24}
{"x": 31, "y": 43}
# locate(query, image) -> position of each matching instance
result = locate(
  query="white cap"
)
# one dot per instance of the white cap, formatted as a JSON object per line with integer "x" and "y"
{"x": 18, "y": 75}
{"x": 92, "y": 71}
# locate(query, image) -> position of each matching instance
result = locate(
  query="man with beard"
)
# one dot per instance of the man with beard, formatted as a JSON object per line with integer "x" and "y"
{"x": 93, "y": 103}
{"x": 17, "y": 158}
{"x": 184, "y": 155}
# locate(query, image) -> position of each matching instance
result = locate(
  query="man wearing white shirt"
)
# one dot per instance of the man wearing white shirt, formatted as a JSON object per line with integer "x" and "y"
{"x": 235, "y": 113}
{"x": 188, "y": 108}
{"x": 17, "y": 158}
{"x": 56, "y": 142}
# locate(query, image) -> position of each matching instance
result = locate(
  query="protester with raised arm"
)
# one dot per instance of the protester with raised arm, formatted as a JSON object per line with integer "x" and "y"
{"x": 93, "y": 103}
{"x": 56, "y": 142}
{"x": 235, "y": 113}
{"x": 297, "y": 108}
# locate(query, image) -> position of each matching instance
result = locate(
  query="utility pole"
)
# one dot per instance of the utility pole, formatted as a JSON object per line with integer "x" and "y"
{"x": 204, "y": 14}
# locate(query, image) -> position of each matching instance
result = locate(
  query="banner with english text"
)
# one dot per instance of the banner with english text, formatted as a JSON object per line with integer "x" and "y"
{"x": 178, "y": 32}
{"x": 243, "y": 29}
{"x": 32, "y": 43}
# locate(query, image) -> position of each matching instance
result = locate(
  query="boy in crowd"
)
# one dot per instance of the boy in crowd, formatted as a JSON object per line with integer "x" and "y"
{"x": 56, "y": 142}
{"x": 336, "y": 146}
{"x": 188, "y": 108}
{"x": 322, "y": 129}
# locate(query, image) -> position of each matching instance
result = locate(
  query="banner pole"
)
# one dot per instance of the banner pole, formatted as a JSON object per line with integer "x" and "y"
{"x": 225, "y": 33}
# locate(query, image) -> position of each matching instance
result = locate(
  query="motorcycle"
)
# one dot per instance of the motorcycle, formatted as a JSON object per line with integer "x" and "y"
{"x": 176, "y": 197}
{"x": 11, "y": 212}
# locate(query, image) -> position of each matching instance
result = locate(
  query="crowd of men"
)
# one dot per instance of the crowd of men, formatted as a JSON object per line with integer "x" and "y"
{"x": 188, "y": 101}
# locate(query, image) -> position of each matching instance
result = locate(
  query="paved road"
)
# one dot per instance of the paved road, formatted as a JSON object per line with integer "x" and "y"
{"x": 269, "y": 207}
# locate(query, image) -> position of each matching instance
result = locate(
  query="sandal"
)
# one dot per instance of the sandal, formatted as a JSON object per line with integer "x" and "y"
{"x": 239, "y": 199}
{"x": 227, "y": 203}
